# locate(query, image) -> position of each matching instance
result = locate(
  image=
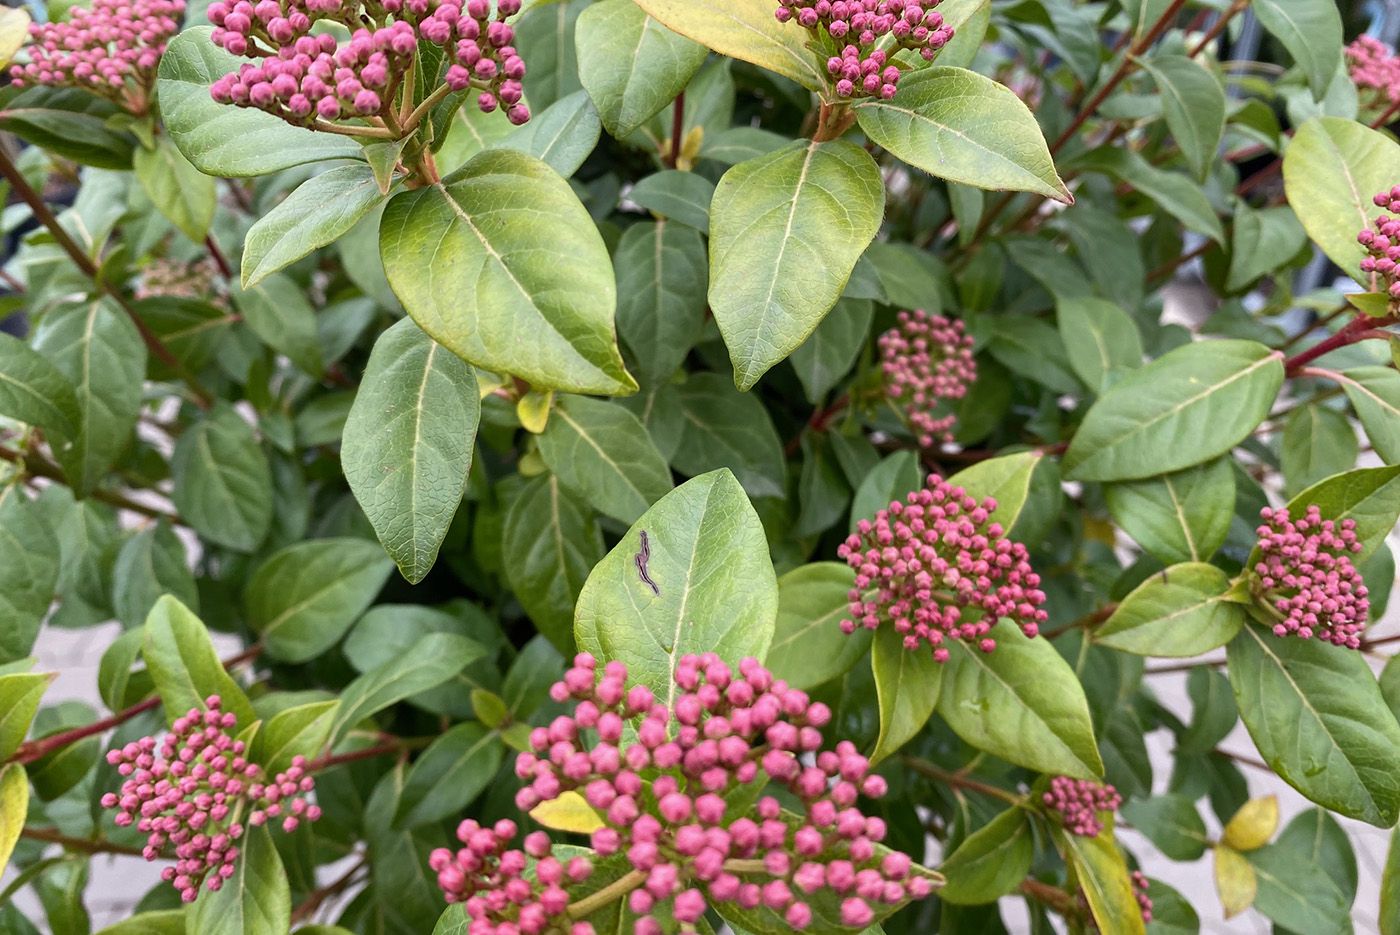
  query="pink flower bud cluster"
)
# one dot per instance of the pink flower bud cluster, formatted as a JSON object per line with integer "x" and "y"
{"x": 489, "y": 877}
{"x": 1306, "y": 573}
{"x": 857, "y": 26}
{"x": 926, "y": 359}
{"x": 1140, "y": 887}
{"x": 195, "y": 789}
{"x": 110, "y": 48}
{"x": 1374, "y": 67}
{"x": 1383, "y": 243}
{"x": 303, "y": 77}
{"x": 1079, "y": 803}
{"x": 923, "y": 561}
{"x": 663, "y": 793}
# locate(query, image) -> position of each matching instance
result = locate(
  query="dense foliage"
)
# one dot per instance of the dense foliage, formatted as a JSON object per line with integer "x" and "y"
{"x": 658, "y": 466}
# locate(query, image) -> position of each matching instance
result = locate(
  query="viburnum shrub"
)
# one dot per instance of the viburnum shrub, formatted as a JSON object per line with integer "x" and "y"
{"x": 741, "y": 467}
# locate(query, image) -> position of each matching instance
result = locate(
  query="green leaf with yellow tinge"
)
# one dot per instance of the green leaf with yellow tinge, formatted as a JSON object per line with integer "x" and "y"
{"x": 1253, "y": 825}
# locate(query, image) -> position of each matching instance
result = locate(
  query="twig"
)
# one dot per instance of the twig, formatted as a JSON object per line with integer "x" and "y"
{"x": 313, "y": 902}
{"x": 218, "y": 257}
{"x": 41, "y": 467}
{"x": 82, "y": 845}
{"x": 1360, "y": 328}
{"x": 1185, "y": 666}
{"x": 677, "y": 128}
{"x": 958, "y": 780}
{"x": 1218, "y": 27}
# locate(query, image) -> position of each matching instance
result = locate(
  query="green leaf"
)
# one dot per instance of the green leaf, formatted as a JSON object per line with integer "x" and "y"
{"x": 1179, "y": 517}
{"x": 304, "y": 597}
{"x": 786, "y": 230}
{"x": 1311, "y": 31}
{"x": 894, "y": 478}
{"x": 1334, "y": 167}
{"x": 150, "y": 564}
{"x": 1260, "y": 241}
{"x": 223, "y": 483}
{"x": 662, "y": 275}
{"x": 679, "y": 196}
{"x": 907, "y": 683}
{"x": 184, "y": 666}
{"x": 545, "y": 37}
{"x": 1191, "y": 405}
{"x": 162, "y": 922}
{"x": 316, "y": 213}
{"x": 808, "y": 645}
{"x": 1317, "y": 442}
{"x": 500, "y": 250}
{"x": 1390, "y": 888}
{"x": 1193, "y": 103}
{"x": 70, "y": 122}
{"x": 429, "y": 662}
{"x": 1319, "y": 721}
{"x": 1371, "y": 496}
{"x": 964, "y": 127}
{"x": 728, "y": 429}
{"x": 1181, "y": 611}
{"x": 100, "y": 352}
{"x": 20, "y": 693}
{"x": 562, "y": 136}
{"x": 33, "y": 390}
{"x": 990, "y": 862}
{"x": 1172, "y": 823}
{"x": 179, "y": 191}
{"x": 297, "y": 731}
{"x": 551, "y": 543}
{"x": 1307, "y": 878}
{"x": 1375, "y": 395}
{"x": 192, "y": 329}
{"x": 1101, "y": 340}
{"x": 1172, "y": 192}
{"x": 828, "y": 355}
{"x": 408, "y": 442}
{"x": 602, "y": 451}
{"x": 256, "y": 900}
{"x": 223, "y": 140}
{"x": 277, "y": 311}
{"x": 14, "y": 809}
{"x": 387, "y": 631}
{"x": 1025, "y": 486}
{"x": 713, "y": 587}
{"x": 631, "y": 65}
{"x": 449, "y": 775}
{"x": 1103, "y": 878}
{"x": 29, "y": 573}
{"x": 746, "y": 30}
{"x": 1021, "y": 702}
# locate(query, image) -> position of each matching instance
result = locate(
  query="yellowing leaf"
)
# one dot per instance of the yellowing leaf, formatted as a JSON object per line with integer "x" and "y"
{"x": 1253, "y": 825}
{"x": 14, "y": 805}
{"x": 569, "y": 812}
{"x": 14, "y": 28}
{"x": 533, "y": 410}
{"x": 1235, "y": 880}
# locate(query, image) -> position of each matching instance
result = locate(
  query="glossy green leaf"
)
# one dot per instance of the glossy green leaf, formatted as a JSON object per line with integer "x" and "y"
{"x": 551, "y": 543}
{"x": 1172, "y": 192}
{"x": 1375, "y": 395}
{"x": 712, "y": 585}
{"x": 14, "y": 809}
{"x": 256, "y": 900}
{"x": 631, "y": 65}
{"x": 603, "y": 451}
{"x": 304, "y": 597}
{"x": 679, "y": 196}
{"x": 1025, "y": 502}
{"x": 29, "y": 573}
{"x": 1260, "y": 240}
{"x": 1193, "y": 102}
{"x": 809, "y": 647}
{"x": 746, "y": 30}
{"x": 277, "y": 311}
{"x": 1171, "y": 822}
{"x": 894, "y": 478}
{"x": 1103, "y": 878}
{"x": 1319, "y": 721}
{"x": 1021, "y": 702}
{"x": 315, "y": 214}
{"x": 829, "y": 353}
{"x": 662, "y": 274}
{"x": 150, "y": 564}
{"x": 561, "y": 136}
{"x": 990, "y": 862}
{"x": 1181, "y": 611}
{"x": 298, "y": 731}
{"x": 786, "y": 230}
{"x": 160, "y": 922}
{"x": 1189, "y": 406}
{"x": 455, "y": 769}
{"x": 223, "y": 483}
{"x": 907, "y": 683}
{"x": 1317, "y": 442}
{"x": 71, "y": 123}
{"x": 1178, "y": 517}
{"x": 1101, "y": 340}
{"x": 408, "y": 443}
{"x": 1334, "y": 167}
{"x": 182, "y": 661}
{"x": 1311, "y": 31}
{"x": 100, "y": 352}
{"x": 222, "y": 139}
{"x": 1370, "y": 496}
{"x": 728, "y": 429}
{"x": 20, "y": 693}
{"x": 179, "y": 191}
{"x": 545, "y": 36}
{"x": 1390, "y": 888}
{"x": 1307, "y": 878}
{"x": 964, "y": 127}
{"x": 33, "y": 390}
{"x": 465, "y": 258}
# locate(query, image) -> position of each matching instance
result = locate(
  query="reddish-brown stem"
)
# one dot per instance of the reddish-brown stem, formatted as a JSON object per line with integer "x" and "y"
{"x": 1386, "y": 117}
{"x": 313, "y": 902}
{"x": 1166, "y": 269}
{"x": 218, "y": 257}
{"x": 1218, "y": 27}
{"x": 1052, "y": 896}
{"x": 81, "y": 845}
{"x": 1368, "y": 645}
{"x": 40, "y": 467}
{"x": 1086, "y": 622}
{"x": 820, "y": 420}
{"x": 1360, "y": 328}
{"x": 89, "y": 268}
{"x": 353, "y": 756}
{"x": 673, "y": 158}
{"x": 14, "y": 284}
{"x": 1259, "y": 178}
{"x": 960, "y": 781}
{"x": 1322, "y": 322}
{"x": 1185, "y": 666}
